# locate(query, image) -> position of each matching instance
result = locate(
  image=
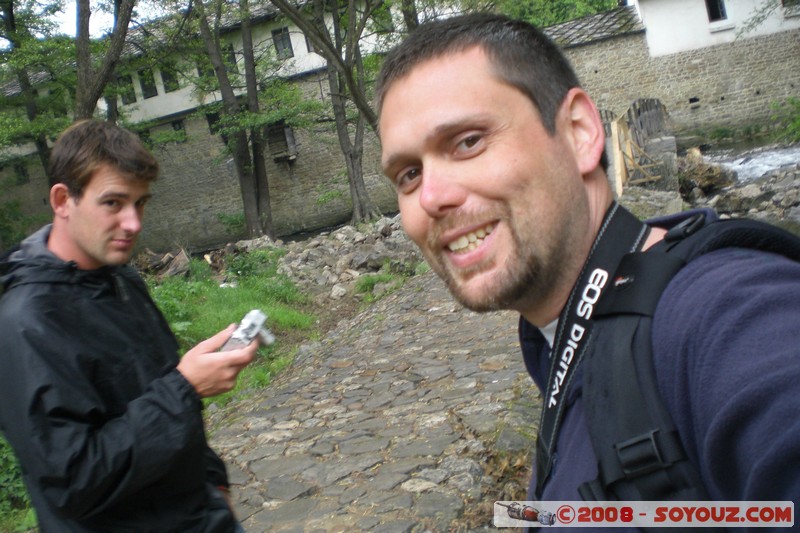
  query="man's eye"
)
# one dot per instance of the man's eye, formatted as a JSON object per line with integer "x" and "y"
{"x": 469, "y": 142}
{"x": 407, "y": 178}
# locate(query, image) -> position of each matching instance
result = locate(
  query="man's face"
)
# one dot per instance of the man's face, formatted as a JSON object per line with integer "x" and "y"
{"x": 102, "y": 226}
{"x": 495, "y": 203}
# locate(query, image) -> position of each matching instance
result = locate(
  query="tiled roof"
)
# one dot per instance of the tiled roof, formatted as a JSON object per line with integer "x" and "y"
{"x": 592, "y": 28}
{"x": 12, "y": 88}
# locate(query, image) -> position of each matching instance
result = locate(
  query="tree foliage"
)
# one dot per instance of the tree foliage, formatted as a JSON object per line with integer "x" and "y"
{"x": 543, "y": 13}
{"x": 338, "y": 31}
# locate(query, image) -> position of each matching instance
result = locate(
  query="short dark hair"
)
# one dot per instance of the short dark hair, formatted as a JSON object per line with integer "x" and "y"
{"x": 89, "y": 144}
{"x": 521, "y": 55}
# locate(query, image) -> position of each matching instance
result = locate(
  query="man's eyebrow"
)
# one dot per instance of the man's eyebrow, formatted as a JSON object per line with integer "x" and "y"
{"x": 115, "y": 195}
{"x": 443, "y": 130}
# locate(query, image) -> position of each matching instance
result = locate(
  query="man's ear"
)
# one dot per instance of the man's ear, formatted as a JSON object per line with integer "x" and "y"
{"x": 588, "y": 136}
{"x": 59, "y": 200}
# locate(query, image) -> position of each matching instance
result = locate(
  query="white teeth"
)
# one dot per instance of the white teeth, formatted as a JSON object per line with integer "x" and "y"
{"x": 471, "y": 240}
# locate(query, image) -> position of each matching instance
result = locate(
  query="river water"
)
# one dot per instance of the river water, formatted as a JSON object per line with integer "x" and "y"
{"x": 754, "y": 162}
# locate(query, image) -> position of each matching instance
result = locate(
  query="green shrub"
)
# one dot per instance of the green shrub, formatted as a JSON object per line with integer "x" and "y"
{"x": 233, "y": 224}
{"x": 14, "y": 500}
{"x": 329, "y": 196}
{"x": 262, "y": 262}
{"x": 14, "y": 224}
{"x": 788, "y": 116}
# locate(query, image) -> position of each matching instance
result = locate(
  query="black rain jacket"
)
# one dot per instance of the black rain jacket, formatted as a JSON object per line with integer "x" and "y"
{"x": 108, "y": 433}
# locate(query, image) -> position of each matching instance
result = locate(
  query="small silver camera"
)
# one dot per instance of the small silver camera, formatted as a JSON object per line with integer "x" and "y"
{"x": 251, "y": 326}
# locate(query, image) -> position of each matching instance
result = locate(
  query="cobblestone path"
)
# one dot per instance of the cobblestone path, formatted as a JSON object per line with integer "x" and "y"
{"x": 415, "y": 415}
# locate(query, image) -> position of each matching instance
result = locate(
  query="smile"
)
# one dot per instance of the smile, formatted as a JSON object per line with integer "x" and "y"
{"x": 470, "y": 241}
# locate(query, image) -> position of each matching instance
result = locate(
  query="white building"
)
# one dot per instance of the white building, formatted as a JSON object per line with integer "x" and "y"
{"x": 681, "y": 25}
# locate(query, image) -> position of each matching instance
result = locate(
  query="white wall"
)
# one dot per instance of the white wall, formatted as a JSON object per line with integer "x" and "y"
{"x": 176, "y": 102}
{"x": 680, "y": 25}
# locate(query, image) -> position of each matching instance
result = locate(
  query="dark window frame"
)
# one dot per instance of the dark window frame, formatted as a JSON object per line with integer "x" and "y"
{"x": 229, "y": 54}
{"x": 281, "y": 142}
{"x": 169, "y": 79}
{"x": 282, "y": 40}
{"x": 716, "y": 10}
{"x": 127, "y": 91}
{"x": 147, "y": 81}
{"x": 311, "y": 47}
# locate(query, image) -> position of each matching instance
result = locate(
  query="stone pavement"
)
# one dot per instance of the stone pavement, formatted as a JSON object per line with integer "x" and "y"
{"x": 415, "y": 415}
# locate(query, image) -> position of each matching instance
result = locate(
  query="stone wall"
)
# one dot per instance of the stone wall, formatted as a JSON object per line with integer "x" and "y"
{"x": 731, "y": 85}
{"x": 198, "y": 183}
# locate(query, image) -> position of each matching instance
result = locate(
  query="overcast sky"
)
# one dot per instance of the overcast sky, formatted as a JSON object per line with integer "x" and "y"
{"x": 100, "y": 22}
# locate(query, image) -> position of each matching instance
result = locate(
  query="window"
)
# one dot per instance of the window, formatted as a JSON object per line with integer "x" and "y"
{"x": 283, "y": 43}
{"x": 310, "y": 46}
{"x": 206, "y": 70}
{"x": 213, "y": 122}
{"x": 214, "y": 126}
{"x": 126, "y": 91}
{"x": 230, "y": 59}
{"x": 170, "y": 78}
{"x": 148, "y": 83}
{"x": 716, "y": 10}
{"x": 280, "y": 139}
{"x": 791, "y": 7}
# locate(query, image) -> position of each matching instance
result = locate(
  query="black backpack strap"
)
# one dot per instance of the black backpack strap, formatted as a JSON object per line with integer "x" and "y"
{"x": 639, "y": 453}
{"x": 693, "y": 238}
{"x": 640, "y": 456}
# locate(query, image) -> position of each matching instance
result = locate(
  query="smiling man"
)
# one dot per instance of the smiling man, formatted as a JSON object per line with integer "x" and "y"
{"x": 104, "y": 418}
{"x": 463, "y": 175}
{"x": 497, "y": 157}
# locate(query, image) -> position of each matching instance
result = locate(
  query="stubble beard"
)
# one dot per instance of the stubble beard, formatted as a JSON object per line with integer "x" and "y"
{"x": 528, "y": 276}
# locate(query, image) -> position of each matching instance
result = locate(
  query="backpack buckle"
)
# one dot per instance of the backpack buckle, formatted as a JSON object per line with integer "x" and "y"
{"x": 685, "y": 228}
{"x": 640, "y": 455}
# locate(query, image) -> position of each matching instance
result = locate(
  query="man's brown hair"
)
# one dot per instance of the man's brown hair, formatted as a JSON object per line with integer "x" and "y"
{"x": 89, "y": 144}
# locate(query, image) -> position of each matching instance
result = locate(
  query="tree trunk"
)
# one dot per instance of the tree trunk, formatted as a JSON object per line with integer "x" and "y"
{"x": 236, "y": 141}
{"x": 92, "y": 82}
{"x": 410, "y": 15}
{"x": 363, "y": 208}
{"x": 256, "y": 134}
{"x": 112, "y": 109}
{"x": 31, "y": 109}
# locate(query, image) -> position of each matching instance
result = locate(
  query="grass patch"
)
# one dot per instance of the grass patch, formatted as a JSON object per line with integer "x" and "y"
{"x": 198, "y": 306}
{"x": 386, "y": 283}
{"x": 15, "y": 512}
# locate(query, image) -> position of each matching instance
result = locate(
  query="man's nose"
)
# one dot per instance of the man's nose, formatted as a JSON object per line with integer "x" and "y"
{"x": 131, "y": 219}
{"x": 441, "y": 191}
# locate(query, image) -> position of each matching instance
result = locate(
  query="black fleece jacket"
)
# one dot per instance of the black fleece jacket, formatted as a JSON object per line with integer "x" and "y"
{"x": 108, "y": 433}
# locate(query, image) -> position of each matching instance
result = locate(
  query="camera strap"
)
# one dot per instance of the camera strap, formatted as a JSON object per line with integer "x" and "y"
{"x": 620, "y": 233}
